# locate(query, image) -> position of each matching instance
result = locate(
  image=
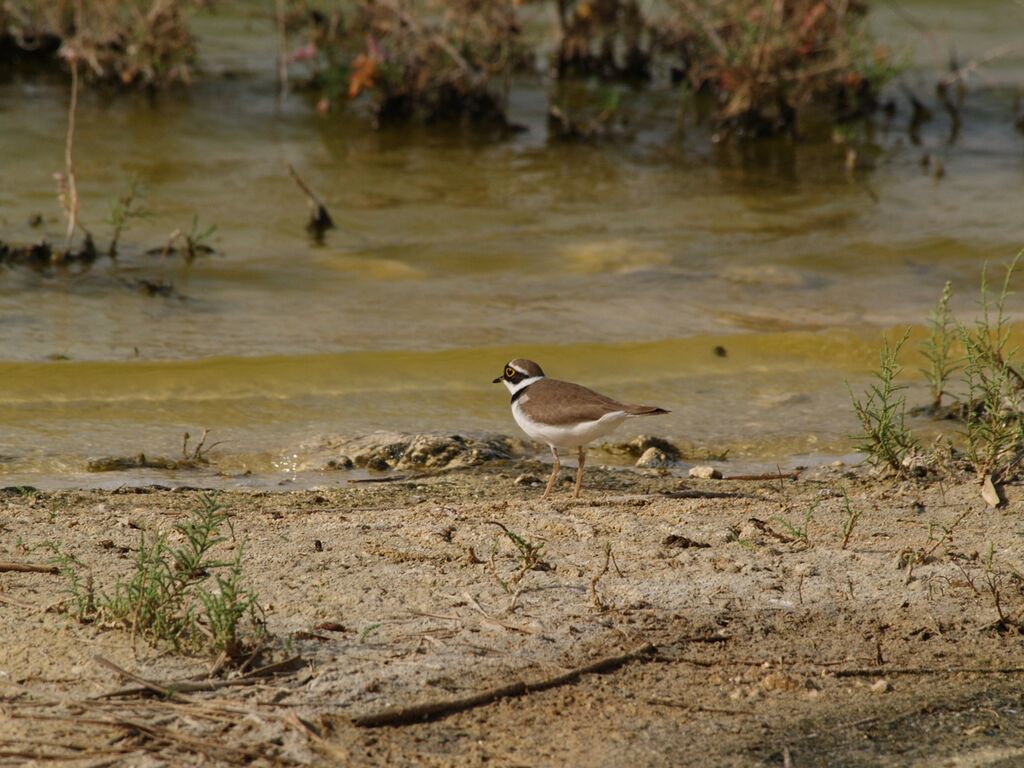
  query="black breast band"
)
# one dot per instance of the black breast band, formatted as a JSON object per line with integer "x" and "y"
{"x": 520, "y": 391}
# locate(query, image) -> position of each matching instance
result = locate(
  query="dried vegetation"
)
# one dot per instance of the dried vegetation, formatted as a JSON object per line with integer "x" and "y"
{"x": 763, "y": 65}
{"x": 133, "y": 43}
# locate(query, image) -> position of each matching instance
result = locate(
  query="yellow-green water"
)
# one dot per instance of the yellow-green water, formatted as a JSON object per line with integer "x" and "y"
{"x": 621, "y": 266}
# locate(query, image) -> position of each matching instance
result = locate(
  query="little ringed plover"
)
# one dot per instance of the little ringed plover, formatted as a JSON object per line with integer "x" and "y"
{"x": 563, "y": 414}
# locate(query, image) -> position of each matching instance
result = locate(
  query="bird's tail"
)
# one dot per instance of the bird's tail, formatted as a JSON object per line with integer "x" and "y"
{"x": 645, "y": 410}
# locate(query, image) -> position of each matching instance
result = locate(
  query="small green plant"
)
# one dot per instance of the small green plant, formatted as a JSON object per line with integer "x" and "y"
{"x": 799, "y": 534}
{"x": 78, "y": 589}
{"x": 167, "y": 598}
{"x": 850, "y": 518}
{"x": 528, "y": 554}
{"x": 595, "y": 597}
{"x": 882, "y": 413}
{"x": 124, "y": 210}
{"x": 993, "y": 427}
{"x": 368, "y": 632}
{"x": 56, "y": 507}
{"x": 994, "y": 583}
{"x": 528, "y": 551}
{"x": 938, "y": 349}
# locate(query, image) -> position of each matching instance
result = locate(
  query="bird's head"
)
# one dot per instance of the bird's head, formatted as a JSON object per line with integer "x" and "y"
{"x": 517, "y": 371}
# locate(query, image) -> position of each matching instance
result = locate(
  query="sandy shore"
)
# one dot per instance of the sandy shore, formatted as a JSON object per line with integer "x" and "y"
{"x": 756, "y": 637}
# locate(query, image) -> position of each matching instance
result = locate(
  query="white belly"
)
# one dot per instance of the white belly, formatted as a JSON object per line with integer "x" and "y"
{"x": 569, "y": 435}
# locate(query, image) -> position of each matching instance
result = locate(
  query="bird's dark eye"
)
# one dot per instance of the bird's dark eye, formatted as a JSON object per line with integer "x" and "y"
{"x": 510, "y": 372}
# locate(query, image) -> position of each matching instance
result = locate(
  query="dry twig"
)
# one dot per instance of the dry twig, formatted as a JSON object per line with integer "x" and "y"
{"x": 171, "y": 689}
{"x": 432, "y": 710}
{"x": 28, "y": 568}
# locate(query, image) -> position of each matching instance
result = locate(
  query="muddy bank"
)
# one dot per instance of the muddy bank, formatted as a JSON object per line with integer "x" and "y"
{"x": 771, "y": 635}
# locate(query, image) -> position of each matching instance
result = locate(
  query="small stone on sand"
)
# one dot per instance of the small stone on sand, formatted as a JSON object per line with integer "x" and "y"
{"x": 705, "y": 473}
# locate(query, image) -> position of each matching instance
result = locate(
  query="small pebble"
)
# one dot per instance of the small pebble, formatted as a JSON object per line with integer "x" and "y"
{"x": 881, "y": 686}
{"x": 705, "y": 473}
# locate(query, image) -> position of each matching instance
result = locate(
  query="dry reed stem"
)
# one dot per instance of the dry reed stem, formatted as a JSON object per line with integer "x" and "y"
{"x": 69, "y": 187}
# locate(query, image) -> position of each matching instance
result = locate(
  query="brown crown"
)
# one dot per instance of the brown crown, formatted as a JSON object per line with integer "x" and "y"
{"x": 528, "y": 367}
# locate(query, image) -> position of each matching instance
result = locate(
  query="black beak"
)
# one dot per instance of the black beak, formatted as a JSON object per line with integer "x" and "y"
{"x": 497, "y": 380}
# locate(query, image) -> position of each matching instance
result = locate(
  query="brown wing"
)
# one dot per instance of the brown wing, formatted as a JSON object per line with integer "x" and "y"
{"x": 551, "y": 401}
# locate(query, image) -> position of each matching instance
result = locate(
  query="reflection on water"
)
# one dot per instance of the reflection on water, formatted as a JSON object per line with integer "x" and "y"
{"x": 621, "y": 266}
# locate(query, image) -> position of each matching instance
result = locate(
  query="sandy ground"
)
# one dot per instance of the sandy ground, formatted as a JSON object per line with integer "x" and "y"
{"x": 769, "y": 649}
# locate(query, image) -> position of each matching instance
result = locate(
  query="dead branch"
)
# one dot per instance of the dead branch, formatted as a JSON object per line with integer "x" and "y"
{"x": 170, "y": 690}
{"x": 282, "y": 47}
{"x": 766, "y": 529}
{"x": 157, "y": 733}
{"x": 324, "y": 746}
{"x": 28, "y": 568}
{"x": 319, "y": 219}
{"x": 169, "y": 245}
{"x": 71, "y": 202}
{"x": 886, "y": 671}
{"x": 144, "y": 684}
{"x": 595, "y": 598}
{"x": 432, "y": 710}
{"x": 772, "y": 476}
{"x": 691, "y": 493}
{"x": 698, "y": 707}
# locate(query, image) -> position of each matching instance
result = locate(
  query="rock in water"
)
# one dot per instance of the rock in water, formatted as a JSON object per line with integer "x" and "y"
{"x": 640, "y": 445}
{"x": 652, "y": 458}
{"x": 393, "y": 450}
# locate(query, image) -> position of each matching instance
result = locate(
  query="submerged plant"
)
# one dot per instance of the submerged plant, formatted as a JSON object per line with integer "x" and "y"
{"x": 124, "y": 210}
{"x": 197, "y": 239}
{"x": 882, "y": 413}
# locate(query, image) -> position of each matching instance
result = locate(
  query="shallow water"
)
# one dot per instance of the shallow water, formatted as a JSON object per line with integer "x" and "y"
{"x": 619, "y": 265}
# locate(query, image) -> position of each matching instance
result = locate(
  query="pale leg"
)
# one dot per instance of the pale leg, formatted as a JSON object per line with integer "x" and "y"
{"x": 579, "y": 471}
{"x": 554, "y": 473}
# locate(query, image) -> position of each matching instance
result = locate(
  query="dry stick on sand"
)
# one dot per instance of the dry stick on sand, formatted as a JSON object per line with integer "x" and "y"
{"x": 432, "y": 710}
{"x": 172, "y": 689}
{"x": 28, "y": 568}
{"x": 326, "y": 747}
{"x": 157, "y": 733}
{"x": 774, "y": 476}
{"x": 883, "y": 671}
{"x": 595, "y": 598}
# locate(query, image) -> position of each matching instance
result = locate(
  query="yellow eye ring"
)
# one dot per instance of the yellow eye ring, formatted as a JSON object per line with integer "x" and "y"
{"x": 510, "y": 372}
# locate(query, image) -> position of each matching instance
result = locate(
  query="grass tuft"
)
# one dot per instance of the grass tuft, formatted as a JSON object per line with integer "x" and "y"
{"x": 938, "y": 349}
{"x": 180, "y": 596}
{"x": 993, "y": 424}
{"x": 882, "y": 412}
